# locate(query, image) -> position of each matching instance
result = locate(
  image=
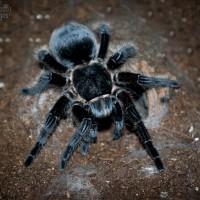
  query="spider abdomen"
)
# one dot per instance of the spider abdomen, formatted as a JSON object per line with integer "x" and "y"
{"x": 92, "y": 81}
{"x": 72, "y": 44}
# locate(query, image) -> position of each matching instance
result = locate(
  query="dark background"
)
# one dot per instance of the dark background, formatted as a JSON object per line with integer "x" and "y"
{"x": 167, "y": 34}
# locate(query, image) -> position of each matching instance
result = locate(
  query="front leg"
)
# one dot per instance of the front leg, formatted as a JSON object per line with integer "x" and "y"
{"x": 48, "y": 62}
{"x": 104, "y": 33}
{"x": 46, "y": 81}
{"x": 121, "y": 56}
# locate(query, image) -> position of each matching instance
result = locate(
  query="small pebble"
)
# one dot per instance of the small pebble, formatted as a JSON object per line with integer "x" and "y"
{"x": 37, "y": 40}
{"x": 2, "y": 85}
{"x": 102, "y": 144}
{"x": 39, "y": 17}
{"x": 7, "y": 40}
{"x": 196, "y": 139}
{"x": 197, "y": 189}
{"x": 47, "y": 16}
{"x": 150, "y": 13}
{"x": 184, "y": 19}
{"x": 109, "y": 9}
{"x": 68, "y": 194}
{"x": 189, "y": 50}
{"x": 1, "y": 40}
{"x": 173, "y": 159}
{"x": 171, "y": 33}
{"x": 30, "y": 136}
{"x": 30, "y": 39}
{"x": 191, "y": 129}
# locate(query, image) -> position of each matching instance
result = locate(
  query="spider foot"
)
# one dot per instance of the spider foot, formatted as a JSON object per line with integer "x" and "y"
{"x": 84, "y": 148}
{"x": 157, "y": 82}
{"x": 92, "y": 138}
{"x": 118, "y": 130}
{"x": 75, "y": 141}
{"x": 159, "y": 164}
{"x": 33, "y": 153}
{"x": 154, "y": 155}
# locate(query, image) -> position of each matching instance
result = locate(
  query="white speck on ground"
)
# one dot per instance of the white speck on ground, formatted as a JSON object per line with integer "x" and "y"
{"x": 149, "y": 171}
{"x": 2, "y": 85}
{"x": 163, "y": 194}
{"x": 7, "y": 40}
{"x": 47, "y": 16}
{"x": 39, "y": 17}
{"x": 191, "y": 129}
{"x": 37, "y": 40}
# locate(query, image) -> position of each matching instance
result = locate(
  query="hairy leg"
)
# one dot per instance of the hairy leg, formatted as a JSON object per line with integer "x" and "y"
{"x": 128, "y": 78}
{"x": 104, "y": 33}
{"x": 117, "y": 116}
{"x": 46, "y": 81}
{"x": 53, "y": 118}
{"x": 82, "y": 131}
{"x": 47, "y": 61}
{"x": 137, "y": 84}
{"x": 134, "y": 123}
{"x": 79, "y": 113}
{"x": 91, "y": 138}
{"x": 120, "y": 57}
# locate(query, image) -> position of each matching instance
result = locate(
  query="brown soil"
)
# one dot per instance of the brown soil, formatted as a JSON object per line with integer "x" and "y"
{"x": 167, "y": 35}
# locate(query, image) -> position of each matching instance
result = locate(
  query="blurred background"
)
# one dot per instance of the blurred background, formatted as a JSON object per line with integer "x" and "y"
{"x": 167, "y": 35}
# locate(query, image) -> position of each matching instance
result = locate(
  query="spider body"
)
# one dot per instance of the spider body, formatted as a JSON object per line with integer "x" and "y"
{"x": 97, "y": 93}
{"x": 96, "y": 80}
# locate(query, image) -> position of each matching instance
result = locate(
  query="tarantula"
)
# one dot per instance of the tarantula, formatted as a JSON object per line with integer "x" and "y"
{"x": 95, "y": 91}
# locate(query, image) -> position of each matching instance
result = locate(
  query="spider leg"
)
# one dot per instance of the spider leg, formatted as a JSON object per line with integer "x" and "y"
{"x": 74, "y": 142}
{"x": 117, "y": 115}
{"x": 104, "y": 33}
{"x": 145, "y": 137}
{"x": 135, "y": 122}
{"x": 48, "y": 62}
{"x": 132, "y": 79}
{"x": 92, "y": 138}
{"x": 53, "y": 118}
{"x": 46, "y": 81}
{"x": 120, "y": 57}
{"x": 79, "y": 113}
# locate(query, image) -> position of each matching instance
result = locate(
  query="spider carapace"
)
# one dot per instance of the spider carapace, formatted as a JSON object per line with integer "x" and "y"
{"x": 96, "y": 81}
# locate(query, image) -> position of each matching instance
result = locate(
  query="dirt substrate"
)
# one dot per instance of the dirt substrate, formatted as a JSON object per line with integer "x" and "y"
{"x": 167, "y": 36}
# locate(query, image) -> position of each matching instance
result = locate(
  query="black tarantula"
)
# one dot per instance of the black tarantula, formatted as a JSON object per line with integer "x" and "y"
{"x": 94, "y": 91}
